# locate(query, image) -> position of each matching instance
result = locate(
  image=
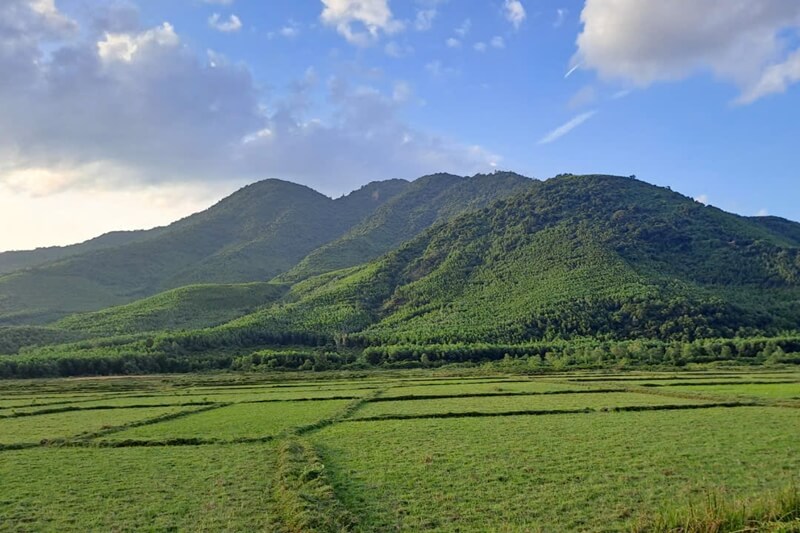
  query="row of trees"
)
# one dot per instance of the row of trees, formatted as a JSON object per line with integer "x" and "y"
{"x": 583, "y": 353}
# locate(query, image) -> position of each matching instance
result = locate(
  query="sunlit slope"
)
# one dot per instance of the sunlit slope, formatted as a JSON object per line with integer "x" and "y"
{"x": 191, "y": 307}
{"x": 253, "y": 235}
{"x": 579, "y": 255}
{"x": 426, "y": 201}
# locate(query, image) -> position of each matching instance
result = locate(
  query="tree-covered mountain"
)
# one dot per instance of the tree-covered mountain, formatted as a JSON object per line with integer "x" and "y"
{"x": 18, "y": 260}
{"x": 575, "y": 256}
{"x": 425, "y": 201}
{"x": 573, "y": 261}
{"x": 190, "y": 307}
{"x": 262, "y": 231}
{"x": 258, "y": 232}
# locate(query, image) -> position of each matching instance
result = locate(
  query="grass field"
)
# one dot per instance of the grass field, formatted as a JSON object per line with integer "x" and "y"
{"x": 395, "y": 452}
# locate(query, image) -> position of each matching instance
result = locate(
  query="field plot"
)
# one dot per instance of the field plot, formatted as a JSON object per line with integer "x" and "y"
{"x": 413, "y": 453}
{"x": 197, "y": 488}
{"x": 29, "y": 429}
{"x": 592, "y": 472}
{"x": 493, "y": 387}
{"x": 775, "y": 391}
{"x": 242, "y": 421}
{"x": 503, "y": 404}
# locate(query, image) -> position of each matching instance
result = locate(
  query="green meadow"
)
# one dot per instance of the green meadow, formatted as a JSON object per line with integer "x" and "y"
{"x": 401, "y": 451}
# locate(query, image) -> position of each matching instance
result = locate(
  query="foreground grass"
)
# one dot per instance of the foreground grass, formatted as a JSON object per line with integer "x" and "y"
{"x": 199, "y": 488}
{"x": 553, "y": 473}
{"x": 312, "y": 466}
{"x": 32, "y": 429}
{"x": 240, "y": 421}
{"x": 779, "y": 511}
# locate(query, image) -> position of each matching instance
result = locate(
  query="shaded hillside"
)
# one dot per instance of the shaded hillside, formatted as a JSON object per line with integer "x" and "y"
{"x": 426, "y": 201}
{"x": 17, "y": 260}
{"x": 191, "y": 307}
{"x": 253, "y": 235}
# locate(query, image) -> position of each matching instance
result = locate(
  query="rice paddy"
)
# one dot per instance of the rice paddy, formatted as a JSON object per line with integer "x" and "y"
{"x": 389, "y": 452}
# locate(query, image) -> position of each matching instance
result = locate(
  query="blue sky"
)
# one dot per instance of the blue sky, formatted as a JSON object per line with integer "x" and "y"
{"x": 130, "y": 114}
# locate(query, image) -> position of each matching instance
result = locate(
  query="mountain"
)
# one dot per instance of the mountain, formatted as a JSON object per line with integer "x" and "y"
{"x": 571, "y": 264}
{"x": 258, "y": 232}
{"x": 427, "y": 201}
{"x": 599, "y": 256}
{"x": 18, "y": 260}
{"x": 191, "y": 307}
{"x": 267, "y": 229}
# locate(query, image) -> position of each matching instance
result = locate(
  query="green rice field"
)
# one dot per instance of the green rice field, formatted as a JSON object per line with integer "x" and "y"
{"x": 399, "y": 451}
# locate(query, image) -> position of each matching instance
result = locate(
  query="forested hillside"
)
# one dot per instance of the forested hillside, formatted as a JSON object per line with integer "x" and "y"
{"x": 17, "y": 260}
{"x": 262, "y": 231}
{"x": 575, "y": 265}
{"x": 191, "y": 307}
{"x": 426, "y": 201}
{"x": 253, "y": 235}
{"x": 577, "y": 256}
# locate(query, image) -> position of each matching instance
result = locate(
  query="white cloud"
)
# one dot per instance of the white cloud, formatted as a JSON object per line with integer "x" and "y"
{"x": 586, "y": 95}
{"x": 566, "y": 128}
{"x": 452, "y": 42}
{"x": 424, "y": 19}
{"x": 402, "y": 92}
{"x": 231, "y": 24}
{"x": 479, "y": 47}
{"x": 775, "y": 79}
{"x": 498, "y": 42}
{"x": 762, "y": 213}
{"x": 703, "y": 199}
{"x": 464, "y": 28}
{"x": 397, "y": 50}
{"x": 123, "y": 111}
{"x": 124, "y": 46}
{"x": 561, "y": 16}
{"x": 741, "y": 41}
{"x": 361, "y": 22}
{"x": 438, "y": 70}
{"x": 514, "y": 12}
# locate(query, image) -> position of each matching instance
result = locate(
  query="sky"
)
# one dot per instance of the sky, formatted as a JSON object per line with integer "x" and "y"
{"x": 126, "y": 114}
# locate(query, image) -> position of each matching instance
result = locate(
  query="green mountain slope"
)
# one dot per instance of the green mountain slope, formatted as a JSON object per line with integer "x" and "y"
{"x": 425, "y": 202}
{"x": 576, "y": 256}
{"x": 253, "y": 235}
{"x": 18, "y": 260}
{"x": 191, "y": 307}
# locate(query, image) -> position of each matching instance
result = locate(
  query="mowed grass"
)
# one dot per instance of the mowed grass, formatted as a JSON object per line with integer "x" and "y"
{"x": 581, "y": 472}
{"x": 774, "y": 391}
{"x": 241, "y": 421}
{"x": 501, "y": 404}
{"x": 188, "y": 488}
{"x": 31, "y": 429}
{"x": 436, "y": 389}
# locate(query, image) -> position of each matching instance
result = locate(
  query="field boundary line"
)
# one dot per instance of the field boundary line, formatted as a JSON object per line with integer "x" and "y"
{"x": 72, "y": 409}
{"x": 546, "y": 412}
{"x": 716, "y": 383}
{"x": 304, "y": 499}
{"x": 411, "y": 397}
{"x": 146, "y": 422}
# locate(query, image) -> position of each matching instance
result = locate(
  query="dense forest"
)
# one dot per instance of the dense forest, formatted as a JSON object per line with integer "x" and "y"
{"x": 586, "y": 271}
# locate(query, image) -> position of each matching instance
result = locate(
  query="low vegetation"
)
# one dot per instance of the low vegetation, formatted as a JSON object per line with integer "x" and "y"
{"x": 270, "y": 452}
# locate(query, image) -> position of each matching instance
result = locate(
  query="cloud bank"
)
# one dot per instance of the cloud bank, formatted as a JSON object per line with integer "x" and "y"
{"x": 114, "y": 104}
{"x": 741, "y": 41}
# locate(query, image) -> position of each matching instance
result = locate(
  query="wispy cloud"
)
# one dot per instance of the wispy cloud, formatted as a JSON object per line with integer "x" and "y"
{"x": 231, "y": 24}
{"x": 514, "y": 12}
{"x": 573, "y": 69}
{"x": 566, "y": 128}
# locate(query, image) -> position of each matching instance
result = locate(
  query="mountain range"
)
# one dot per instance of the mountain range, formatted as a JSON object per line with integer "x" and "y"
{"x": 495, "y": 258}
